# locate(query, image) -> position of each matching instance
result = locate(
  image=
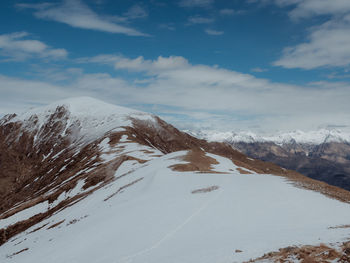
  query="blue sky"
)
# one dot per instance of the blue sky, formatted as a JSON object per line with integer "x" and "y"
{"x": 256, "y": 64}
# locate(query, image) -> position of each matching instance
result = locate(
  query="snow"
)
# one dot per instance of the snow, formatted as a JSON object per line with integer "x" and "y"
{"x": 124, "y": 138}
{"x": 92, "y": 118}
{"x": 157, "y": 219}
{"x": 224, "y": 166}
{"x": 24, "y": 214}
{"x": 126, "y": 147}
{"x": 57, "y": 154}
{"x": 104, "y": 145}
{"x": 309, "y": 137}
{"x": 45, "y": 156}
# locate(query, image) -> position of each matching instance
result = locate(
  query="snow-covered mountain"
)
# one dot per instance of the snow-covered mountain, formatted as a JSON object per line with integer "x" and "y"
{"x": 302, "y": 137}
{"x": 86, "y": 181}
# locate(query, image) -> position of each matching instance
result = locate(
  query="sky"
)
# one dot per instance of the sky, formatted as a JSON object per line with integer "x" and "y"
{"x": 258, "y": 65}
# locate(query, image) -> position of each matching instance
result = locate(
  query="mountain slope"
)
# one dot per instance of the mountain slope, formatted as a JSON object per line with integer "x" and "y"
{"x": 90, "y": 182}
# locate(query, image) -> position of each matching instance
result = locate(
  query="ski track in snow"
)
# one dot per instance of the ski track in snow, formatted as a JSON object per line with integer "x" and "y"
{"x": 171, "y": 233}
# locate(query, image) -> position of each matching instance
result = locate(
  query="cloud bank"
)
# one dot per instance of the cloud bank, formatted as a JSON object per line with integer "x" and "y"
{"x": 327, "y": 45}
{"x": 207, "y": 96}
{"x": 16, "y": 47}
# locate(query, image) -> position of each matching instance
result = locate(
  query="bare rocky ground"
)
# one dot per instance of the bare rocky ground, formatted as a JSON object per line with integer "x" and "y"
{"x": 308, "y": 254}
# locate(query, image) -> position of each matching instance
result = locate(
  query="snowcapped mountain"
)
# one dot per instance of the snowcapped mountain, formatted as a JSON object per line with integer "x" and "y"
{"x": 301, "y": 137}
{"x": 86, "y": 181}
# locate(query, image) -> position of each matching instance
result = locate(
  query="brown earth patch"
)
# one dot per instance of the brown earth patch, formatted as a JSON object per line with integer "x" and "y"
{"x": 205, "y": 190}
{"x": 56, "y": 224}
{"x": 308, "y": 254}
{"x": 147, "y": 151}
{"x": 16, "y": 253}
{"x": 242, "y": 171}
{"x": 336, "y": 227}
{"x": 38, "y": 228}
{"x": 197, "y": 161}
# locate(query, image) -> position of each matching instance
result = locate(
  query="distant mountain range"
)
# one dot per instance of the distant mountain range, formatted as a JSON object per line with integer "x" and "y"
{"x": 311, "y": 137}
{"x": 323, "y": 154}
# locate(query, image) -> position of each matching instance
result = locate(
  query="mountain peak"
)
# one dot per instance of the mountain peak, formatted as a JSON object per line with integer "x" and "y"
{"x": 84, "y": 106}
{"x": 89, "y": 118}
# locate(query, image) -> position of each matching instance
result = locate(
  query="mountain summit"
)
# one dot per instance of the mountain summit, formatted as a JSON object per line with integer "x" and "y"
{"x": 86, "y": 181}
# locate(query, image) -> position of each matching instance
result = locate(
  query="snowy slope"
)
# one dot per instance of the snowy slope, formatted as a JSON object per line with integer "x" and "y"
{"x": 101, "y": 183}
{"x": 159, "y": 219}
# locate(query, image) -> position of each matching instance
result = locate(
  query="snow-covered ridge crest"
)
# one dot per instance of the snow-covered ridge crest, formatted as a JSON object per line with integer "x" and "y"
{"x": 83, "y": 117}
{"x": 309, "y": 137}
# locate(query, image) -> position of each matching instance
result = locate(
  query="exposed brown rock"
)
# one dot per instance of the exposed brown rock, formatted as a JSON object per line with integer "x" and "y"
{"x": 18, "y": 252}
{"x": 196, "y": 160}
{"x": 308, "y": 254}
{"x": 205, "y": 190}
{"x": 56, "y": 224}
{"x": 242, "y": 171}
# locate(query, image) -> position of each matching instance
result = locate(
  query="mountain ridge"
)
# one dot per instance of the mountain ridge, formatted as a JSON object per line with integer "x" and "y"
{"x": 141, "y": 190}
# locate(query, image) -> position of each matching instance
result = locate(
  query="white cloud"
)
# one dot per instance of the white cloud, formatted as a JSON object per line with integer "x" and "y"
{"x": 309, "y": 8}
{"x": 19, "y": 94}
{"x": 233, "y": 99}
{"x": 77, "y": 14}
{"x": 199, "y": 20}
{"x": 328, "y": 46}
{"x": 196, "y": 3}
{"x": 227, "y": 11}
{"x": 101, "y": 59}
{"x": 153, "y": 67}
{"x": 259, "y": 70}
{"x": 136, "y": 12}
{"x": 230, "y": 12}
{"x": 214, "y": 32}
{"x": 187, "y": 94}
{"x": 16, "y": 46}
{"x": 168, "y": 26}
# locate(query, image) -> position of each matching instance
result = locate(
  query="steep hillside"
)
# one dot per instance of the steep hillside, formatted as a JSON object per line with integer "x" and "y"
{"x": 86, "y": 181}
